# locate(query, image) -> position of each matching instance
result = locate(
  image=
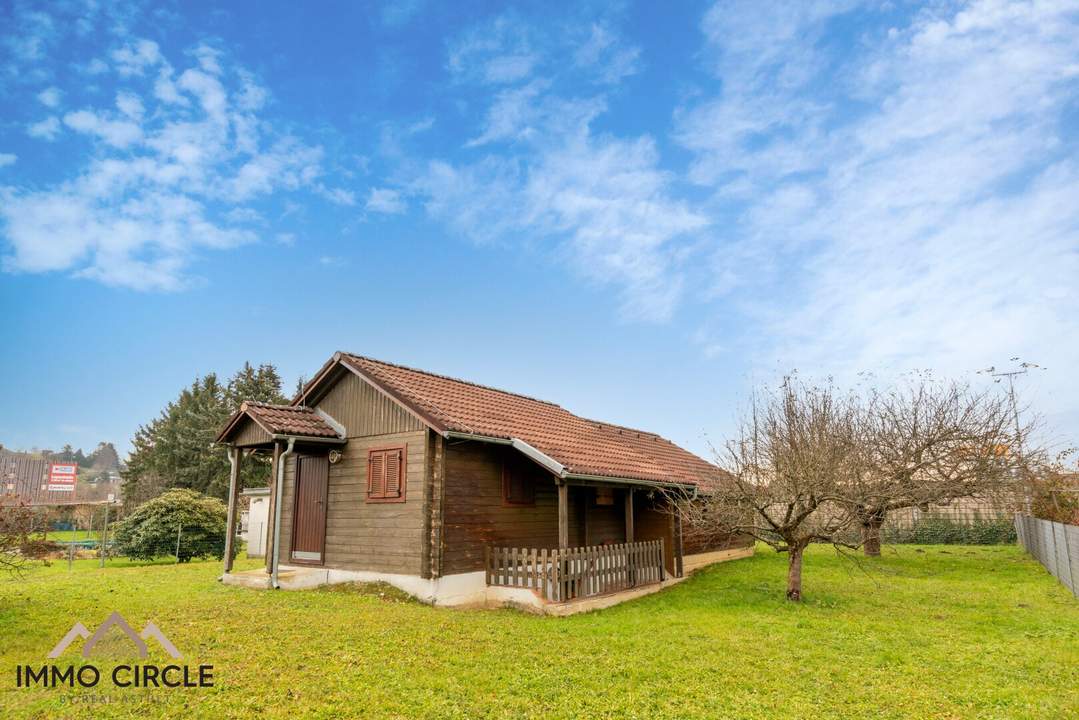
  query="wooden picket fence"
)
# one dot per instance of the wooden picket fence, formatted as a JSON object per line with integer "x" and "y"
{"x": 565, "y": 574}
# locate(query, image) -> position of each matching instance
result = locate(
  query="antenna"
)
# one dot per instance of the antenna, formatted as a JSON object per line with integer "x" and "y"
{"x": 1024, "y": 367}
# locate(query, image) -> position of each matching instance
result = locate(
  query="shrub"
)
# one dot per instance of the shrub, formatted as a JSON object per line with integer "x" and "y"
{"x": 944, "y": 531}
{"x": 151, "y": 530}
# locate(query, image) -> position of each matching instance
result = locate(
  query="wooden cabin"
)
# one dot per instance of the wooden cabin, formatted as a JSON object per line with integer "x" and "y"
{"x": 462, "y": 494}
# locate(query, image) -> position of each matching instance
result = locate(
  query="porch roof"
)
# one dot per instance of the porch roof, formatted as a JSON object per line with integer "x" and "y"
{"x": 583, "y": 447}
{"x": 281, "y": 420}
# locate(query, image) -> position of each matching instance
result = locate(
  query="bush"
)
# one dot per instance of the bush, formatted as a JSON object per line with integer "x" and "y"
{"x": 151, "y": 530}
{"x": 944, "y": 531}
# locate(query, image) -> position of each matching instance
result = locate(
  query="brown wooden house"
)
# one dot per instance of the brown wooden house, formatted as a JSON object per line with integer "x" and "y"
{"x": 462, "y": 494}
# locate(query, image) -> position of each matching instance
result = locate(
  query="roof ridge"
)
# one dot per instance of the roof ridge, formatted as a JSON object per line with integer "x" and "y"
{"x": 453, "y": 379}
{"x": 616, "y": 426}
{"x": 259, "y": 403}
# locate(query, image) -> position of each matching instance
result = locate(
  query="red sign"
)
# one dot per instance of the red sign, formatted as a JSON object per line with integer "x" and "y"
{"x": 62, "y": 477}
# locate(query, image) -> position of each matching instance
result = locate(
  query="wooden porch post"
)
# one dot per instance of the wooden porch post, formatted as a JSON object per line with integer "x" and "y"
{"x": 235, "y": 455}
{"x": 273, "y": 504}
{"x": 676, "y": 561}
{"x": 629, "y": 514}
{"x": 563, "y": 515}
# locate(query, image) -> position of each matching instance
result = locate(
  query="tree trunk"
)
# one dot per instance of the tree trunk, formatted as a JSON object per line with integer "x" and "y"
{"x": 871, "y": 538}
{"x": 794, "y": 574}
{"x": 871, "y": 525}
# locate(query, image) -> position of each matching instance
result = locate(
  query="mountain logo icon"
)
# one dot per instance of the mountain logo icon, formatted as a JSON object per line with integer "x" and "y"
{"x": 150, "y": 631}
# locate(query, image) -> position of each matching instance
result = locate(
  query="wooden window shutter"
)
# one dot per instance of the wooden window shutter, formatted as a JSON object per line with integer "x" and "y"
{"x": 376, "y": 475}
{"x": 386, "y": 474}
{"x": 393, "y": 474}
{"x": 518, "y": 485}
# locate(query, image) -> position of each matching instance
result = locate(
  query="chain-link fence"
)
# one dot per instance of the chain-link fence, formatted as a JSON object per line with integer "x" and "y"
{"x": 1055, "y": 545}
{"x": 90, "y": 540}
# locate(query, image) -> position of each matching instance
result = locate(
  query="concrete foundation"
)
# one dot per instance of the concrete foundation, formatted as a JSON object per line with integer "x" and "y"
{"x": 466, "y": 589}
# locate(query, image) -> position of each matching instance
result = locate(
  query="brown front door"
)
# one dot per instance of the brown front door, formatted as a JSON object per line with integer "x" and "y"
{"x": 309, "y": 511}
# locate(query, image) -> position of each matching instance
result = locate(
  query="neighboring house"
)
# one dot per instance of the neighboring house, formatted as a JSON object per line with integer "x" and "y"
{"x": 255, "y": 521}
{"x": 463, "y": 494}
{"x": 25, "y": 477}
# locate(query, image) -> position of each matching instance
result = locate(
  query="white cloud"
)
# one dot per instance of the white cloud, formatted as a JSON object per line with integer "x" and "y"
{"x": 7, "y": 159}
{"x": 130, "y": 105}
{"x": 31, "y": 33}
{"x": 338, "y": 196}
{"x": 135, "y": 58}
{"x": 497, "y": 52}
{"x": 606, "y": 56}
{"x": 165, "y": 89}
{"x": 49, "y": 97}
{"x": 166, "y": 165}
{"x": 97, "y": 66}
{"x": 920, "y": 211}
{"x": 396, "y": 13}
{"x": 385, "y": 200}
{"x": 46, "y": 129}
{"x": 605, "y": 201}
{"x": 513, "y": 114}
{"x": 118, "y": 133}
{"x": 604, "y": 204}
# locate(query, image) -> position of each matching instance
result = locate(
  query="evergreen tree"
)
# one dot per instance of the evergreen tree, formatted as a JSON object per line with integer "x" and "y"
{"x": 176, "y": 449}
{"x": 104, "y": 457}
{"x": 66, "y": 454}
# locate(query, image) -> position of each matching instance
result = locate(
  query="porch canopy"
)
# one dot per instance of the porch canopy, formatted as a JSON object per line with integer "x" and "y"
{"x": 264, "y": 428}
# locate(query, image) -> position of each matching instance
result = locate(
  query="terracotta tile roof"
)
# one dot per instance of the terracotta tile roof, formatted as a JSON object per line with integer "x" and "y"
{"x": 583, "y": 446}
{"x": 288, "y": 420}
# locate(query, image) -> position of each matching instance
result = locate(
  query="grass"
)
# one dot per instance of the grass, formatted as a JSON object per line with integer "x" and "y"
{"x": 73, "y": 535}
{"x": 927, "y": 632}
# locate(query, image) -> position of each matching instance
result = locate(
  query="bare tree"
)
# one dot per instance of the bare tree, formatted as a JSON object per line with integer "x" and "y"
{"x": 932, "y": 443}
{"x": 787, "y": 474}
{"x": 16, "y": 543}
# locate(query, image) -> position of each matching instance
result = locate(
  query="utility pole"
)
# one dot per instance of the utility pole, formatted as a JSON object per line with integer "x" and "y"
{"x": 1024, "y": 368}
{"x": 104, "y": 534}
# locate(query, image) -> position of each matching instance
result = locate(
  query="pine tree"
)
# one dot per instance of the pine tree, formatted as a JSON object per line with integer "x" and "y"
{"x": 177, "y": 448}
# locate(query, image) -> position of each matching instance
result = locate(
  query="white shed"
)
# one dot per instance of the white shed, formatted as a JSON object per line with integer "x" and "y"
{"x": 254, "y": 523}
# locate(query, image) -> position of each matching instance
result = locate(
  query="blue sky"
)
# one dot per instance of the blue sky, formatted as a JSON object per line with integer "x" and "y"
{"x": 639, "y": 211}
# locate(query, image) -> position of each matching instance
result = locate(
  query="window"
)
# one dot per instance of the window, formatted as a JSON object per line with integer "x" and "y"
{"x": 386, "y": 474}
{"x": 518, "y": 484}
{"x": 604, "y": 496}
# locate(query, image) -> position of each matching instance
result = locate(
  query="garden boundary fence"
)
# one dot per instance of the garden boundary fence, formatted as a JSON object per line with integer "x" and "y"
{"x": 1055, "y": 545}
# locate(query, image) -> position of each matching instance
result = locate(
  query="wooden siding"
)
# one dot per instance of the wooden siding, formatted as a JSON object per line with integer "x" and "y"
{"x": 475, "y": 517}
{"x": 654, "y": 523}
{"x": 250, "y": 433}
{"x": 380, "y": 537}
{"x": 694, "y": 543}
{"x": 365, "y": 411}
{"x": 606, "y": 524}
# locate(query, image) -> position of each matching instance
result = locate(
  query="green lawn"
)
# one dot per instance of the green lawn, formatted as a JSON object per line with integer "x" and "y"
{"x": 933, "y": 632}
{"x": 69, "y": 535}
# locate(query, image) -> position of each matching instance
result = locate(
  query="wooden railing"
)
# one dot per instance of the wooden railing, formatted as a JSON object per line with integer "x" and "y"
{"x": 570, "y": 573}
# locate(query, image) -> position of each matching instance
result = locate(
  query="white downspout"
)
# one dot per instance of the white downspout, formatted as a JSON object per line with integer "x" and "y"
{"x": 282, "y": 458}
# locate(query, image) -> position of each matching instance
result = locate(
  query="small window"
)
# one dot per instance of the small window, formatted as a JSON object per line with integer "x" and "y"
{"x": 518, "y": 484}
{"x": 604, "y": 496}
{"x": 386, "y": 474}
